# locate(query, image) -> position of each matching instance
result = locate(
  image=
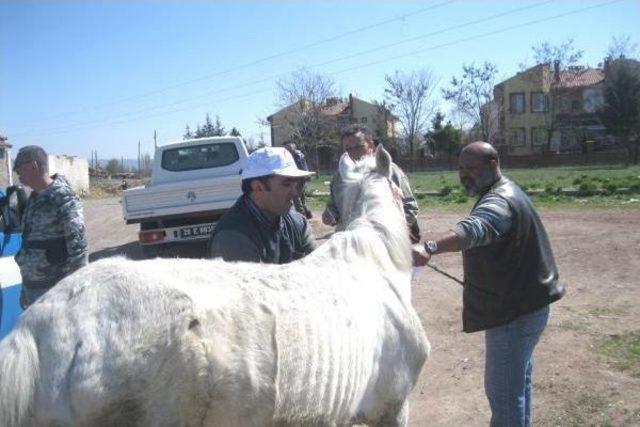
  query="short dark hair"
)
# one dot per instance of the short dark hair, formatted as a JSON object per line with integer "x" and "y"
{"x": 246, "y": 183}
{"x": 353, "y": 130}
{"x": 32, "y": 153}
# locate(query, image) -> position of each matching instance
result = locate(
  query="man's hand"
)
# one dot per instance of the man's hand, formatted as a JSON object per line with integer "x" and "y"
{"x": 328, "y": 218}
{"x": 420, "y": 256}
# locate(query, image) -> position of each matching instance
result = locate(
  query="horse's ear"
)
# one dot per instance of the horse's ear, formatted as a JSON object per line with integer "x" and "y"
{"x": 383, "y": 161}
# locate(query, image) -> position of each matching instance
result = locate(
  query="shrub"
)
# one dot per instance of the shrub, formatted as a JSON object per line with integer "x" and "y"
{"x": 550, "y": 189}
{"x": 446, "y": 190}
{"x": 587, "y": 189}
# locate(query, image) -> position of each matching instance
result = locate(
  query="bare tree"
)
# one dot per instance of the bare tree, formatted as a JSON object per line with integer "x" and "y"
{"x": 303, "y": 94}
{"x": 621, "y": 110}
{"x": 560, "y": 59}
{"x": 472, "y": 97}
{"x": 409, "y": 95}
{"x": 621, "y": 47}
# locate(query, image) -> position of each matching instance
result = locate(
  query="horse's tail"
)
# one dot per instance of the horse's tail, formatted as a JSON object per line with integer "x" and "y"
{"x": 19, "y": 371}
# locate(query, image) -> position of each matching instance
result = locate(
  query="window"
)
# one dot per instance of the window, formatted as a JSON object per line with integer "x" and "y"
{"x": 516, "y": 103}
{"x": 518, "y": 137}
{"x": 363, "y": 120}
{"x": 538, "y": 136}
{"x": 200, "y": 157}
{"x": 1, "y": 153}
{"x": 538, "y": 102}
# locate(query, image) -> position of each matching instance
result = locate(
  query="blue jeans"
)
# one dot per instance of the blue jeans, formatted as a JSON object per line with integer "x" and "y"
{"x": 508, "y": 366}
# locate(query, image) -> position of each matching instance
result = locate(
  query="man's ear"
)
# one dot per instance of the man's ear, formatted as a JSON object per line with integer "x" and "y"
{"x": 256, "y": 185}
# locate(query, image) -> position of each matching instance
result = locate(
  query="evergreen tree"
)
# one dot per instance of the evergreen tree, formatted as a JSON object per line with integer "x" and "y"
{"x": 234, "y": 132}
{"x": 217, "y": 129}
{"x": 208, "y": 129}
{"x": 444, "y": 139}
{"x": 187, "y": 133}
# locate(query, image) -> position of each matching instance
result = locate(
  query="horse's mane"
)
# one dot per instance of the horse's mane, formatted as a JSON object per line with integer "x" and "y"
{"x": 372, "y": 221}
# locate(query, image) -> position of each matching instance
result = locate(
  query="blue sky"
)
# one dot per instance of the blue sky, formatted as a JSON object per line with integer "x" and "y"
{"x": 83, "y": 76}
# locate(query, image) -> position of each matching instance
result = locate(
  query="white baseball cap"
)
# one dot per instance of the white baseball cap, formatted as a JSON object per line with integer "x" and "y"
{"x": 272, "y": 161}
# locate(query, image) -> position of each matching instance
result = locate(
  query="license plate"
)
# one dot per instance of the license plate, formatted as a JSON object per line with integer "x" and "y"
{"x": 196, "y": 231}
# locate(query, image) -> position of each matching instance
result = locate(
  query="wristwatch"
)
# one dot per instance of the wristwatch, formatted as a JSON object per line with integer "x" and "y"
{"x": 430, "y": 246}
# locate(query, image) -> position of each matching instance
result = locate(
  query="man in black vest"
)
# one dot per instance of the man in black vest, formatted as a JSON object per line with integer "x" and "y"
{"x": 261, "y": 226}
{"x": 510, "y": 278}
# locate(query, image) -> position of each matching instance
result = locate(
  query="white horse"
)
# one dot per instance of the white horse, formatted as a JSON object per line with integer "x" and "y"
{"x": 329, "y": 340}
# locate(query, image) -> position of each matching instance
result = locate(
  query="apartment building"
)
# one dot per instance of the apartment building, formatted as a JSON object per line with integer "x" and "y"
{"x": 544, "y": 108}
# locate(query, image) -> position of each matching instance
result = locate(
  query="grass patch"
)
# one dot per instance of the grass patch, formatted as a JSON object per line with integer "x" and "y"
{"x": 596, "y": 186}
{"x": 616, "y": 311}
{"x": 569, "y": 325}
{"x": 623, "y": 350}
{"x": 586, "y": 409}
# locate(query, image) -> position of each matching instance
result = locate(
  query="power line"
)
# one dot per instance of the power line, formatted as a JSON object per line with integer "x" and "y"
{"x": 414, "y": 52}
{"x": 257, "y": 61}
{"x": 208, "y": 94}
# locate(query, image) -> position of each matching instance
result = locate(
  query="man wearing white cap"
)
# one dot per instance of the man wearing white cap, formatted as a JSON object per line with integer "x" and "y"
{"x": 261, "y": 226}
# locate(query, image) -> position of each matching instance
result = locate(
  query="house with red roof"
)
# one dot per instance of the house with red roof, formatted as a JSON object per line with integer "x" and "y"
{"x": 544, "y": 108}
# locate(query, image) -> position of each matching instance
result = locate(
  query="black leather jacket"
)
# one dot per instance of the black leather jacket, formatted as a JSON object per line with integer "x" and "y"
{"x": 241, "y": 236}
{"x": 513, "y": 276}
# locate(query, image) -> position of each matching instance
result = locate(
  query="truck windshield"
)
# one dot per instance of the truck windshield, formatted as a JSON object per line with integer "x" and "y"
{"x": 200, "y": 156}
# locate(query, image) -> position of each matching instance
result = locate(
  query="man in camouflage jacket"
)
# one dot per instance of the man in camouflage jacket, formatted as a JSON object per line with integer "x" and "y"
{"x": 53, "y": 231}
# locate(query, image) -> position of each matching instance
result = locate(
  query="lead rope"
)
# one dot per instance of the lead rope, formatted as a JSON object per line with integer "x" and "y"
{"x": 444, "y": 273}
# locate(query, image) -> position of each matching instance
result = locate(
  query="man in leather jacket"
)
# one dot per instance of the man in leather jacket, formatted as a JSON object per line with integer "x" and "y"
{"x": 261, "y": 226}
{"x": 510, "y": 278}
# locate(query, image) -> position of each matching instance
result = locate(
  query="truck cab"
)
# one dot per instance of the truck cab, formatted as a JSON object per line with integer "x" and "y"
{"x": 193, "y": 183}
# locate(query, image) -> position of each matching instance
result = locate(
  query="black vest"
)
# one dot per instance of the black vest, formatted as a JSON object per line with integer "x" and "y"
{"x": 513, "y": 276}
{"x": 276, "y": 246}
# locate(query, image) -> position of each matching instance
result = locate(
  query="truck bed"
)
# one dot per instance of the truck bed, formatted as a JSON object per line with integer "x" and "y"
{"x": 179, "y": 198}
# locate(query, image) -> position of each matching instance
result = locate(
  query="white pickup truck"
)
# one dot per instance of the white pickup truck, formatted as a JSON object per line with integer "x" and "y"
{"x": 193, "y": 183}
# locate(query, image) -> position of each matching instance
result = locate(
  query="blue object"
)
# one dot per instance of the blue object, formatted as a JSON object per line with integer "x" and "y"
{"x": 10, "y": 279}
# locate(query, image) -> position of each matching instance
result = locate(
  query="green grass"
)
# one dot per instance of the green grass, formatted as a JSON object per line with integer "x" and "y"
{"x": 623, "y": 350}
{"x": 598, "y": 186}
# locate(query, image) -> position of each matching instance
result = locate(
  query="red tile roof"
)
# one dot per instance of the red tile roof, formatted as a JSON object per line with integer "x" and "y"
{"x": 580, "y": 77}
{"x": 335, "y": 109}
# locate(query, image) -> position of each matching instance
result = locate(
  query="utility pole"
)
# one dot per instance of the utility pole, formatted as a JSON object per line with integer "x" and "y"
{"x": 155, "y": 139}
{"x": 139, "y": 170}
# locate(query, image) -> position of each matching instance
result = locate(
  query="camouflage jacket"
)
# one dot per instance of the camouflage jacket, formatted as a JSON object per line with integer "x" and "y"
{"x": 53, "y": 235}
{"x": 408, "y": 200}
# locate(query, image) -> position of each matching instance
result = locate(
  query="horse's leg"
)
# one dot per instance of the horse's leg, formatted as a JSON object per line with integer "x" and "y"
{"x": 397, "y": 415}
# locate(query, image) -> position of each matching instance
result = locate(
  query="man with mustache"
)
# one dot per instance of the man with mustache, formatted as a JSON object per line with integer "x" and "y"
{"x": 261, "y": 226}
{"x": 510, "y": 278}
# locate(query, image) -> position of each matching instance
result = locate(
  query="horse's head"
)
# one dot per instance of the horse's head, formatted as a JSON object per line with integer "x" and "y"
{"x": 367, "y": 197}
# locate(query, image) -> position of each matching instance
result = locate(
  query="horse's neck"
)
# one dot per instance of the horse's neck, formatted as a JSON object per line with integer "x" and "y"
{"x": 362, "y": 248}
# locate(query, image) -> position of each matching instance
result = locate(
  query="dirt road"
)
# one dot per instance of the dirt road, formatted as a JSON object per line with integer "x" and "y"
{"x": 574, "y": 383}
